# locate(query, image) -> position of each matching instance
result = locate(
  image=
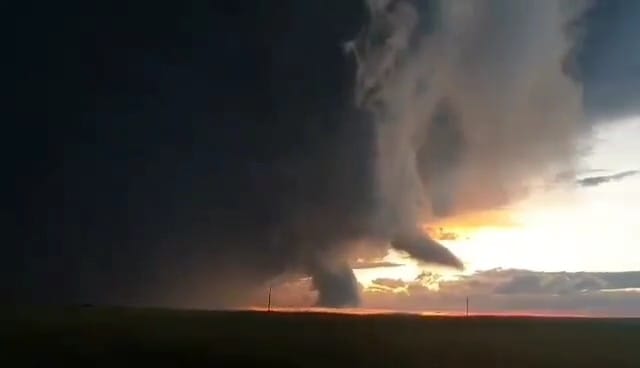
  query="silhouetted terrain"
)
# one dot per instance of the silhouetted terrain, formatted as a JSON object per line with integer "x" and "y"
{"x": 96, "y": 336}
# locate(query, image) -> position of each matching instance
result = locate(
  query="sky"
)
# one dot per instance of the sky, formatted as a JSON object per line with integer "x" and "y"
{"x": 596, "y": 224}
{"x": 400, "y": 155}
{"x": 567, "y": 231}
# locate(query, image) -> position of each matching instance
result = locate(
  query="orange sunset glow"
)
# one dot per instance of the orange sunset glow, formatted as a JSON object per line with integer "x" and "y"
{"x": 465, "y": 225}
{"x": 456, "y": 232}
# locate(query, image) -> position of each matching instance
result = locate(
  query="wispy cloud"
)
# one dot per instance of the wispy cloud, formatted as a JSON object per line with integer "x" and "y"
{"x": 593, "y": 181}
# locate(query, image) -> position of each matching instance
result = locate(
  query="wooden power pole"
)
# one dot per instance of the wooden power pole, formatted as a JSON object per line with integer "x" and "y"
{"x": 467, "y": 306}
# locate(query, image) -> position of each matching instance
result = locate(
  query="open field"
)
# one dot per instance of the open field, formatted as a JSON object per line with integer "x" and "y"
{"x": 118, "y": 336}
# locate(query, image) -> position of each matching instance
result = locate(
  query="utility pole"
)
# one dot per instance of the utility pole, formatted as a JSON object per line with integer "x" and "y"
{"x": 269, "y": 301}
{"x": 467, "y": 306}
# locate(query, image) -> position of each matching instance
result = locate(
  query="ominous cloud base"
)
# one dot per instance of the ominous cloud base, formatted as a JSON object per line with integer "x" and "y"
{"x": 192, "y": 156}
{"x": 493, "y": 291}
{"x": 465, "y": 108}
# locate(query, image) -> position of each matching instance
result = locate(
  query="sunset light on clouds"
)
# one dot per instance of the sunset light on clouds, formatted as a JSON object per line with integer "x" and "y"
{"x": 565, "y": 226}
{"x": 321, "y": 183}
{"x": 569, "y": 226}
{"x": 378, "y": 154}
{"x": 567, "y": 248}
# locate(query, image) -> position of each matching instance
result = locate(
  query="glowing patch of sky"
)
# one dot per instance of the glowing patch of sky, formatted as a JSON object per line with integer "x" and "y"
{"x": 567, "y": 228}
{"x": 571, "y": 228}
{"x": 406, "y": 272}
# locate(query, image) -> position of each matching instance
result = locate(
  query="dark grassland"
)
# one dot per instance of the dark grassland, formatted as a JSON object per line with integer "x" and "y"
{"x": 92, "y": 336}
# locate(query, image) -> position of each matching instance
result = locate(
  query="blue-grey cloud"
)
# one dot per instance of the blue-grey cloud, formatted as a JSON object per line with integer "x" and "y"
{"x": 609, "y": 59}
{"x": 593, "y": 181}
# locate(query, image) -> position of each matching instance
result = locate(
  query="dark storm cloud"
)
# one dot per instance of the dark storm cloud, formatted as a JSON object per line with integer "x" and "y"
{"x": 466, "y": 105}
{"x": 593, "y": 181}
{"x": 190, "y": 155}
{"x": 336, "y": 284}
{"x": 426, "y": 250}
{"x": 609, "y": 60}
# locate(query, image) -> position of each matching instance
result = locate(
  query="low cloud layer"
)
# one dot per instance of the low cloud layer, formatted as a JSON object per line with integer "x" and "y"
{"x": 492, "y": 291}
{"x": 498, "y": 291}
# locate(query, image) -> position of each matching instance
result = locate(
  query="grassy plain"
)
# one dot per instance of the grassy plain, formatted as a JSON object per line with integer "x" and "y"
{"x": 97, "y": 336}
